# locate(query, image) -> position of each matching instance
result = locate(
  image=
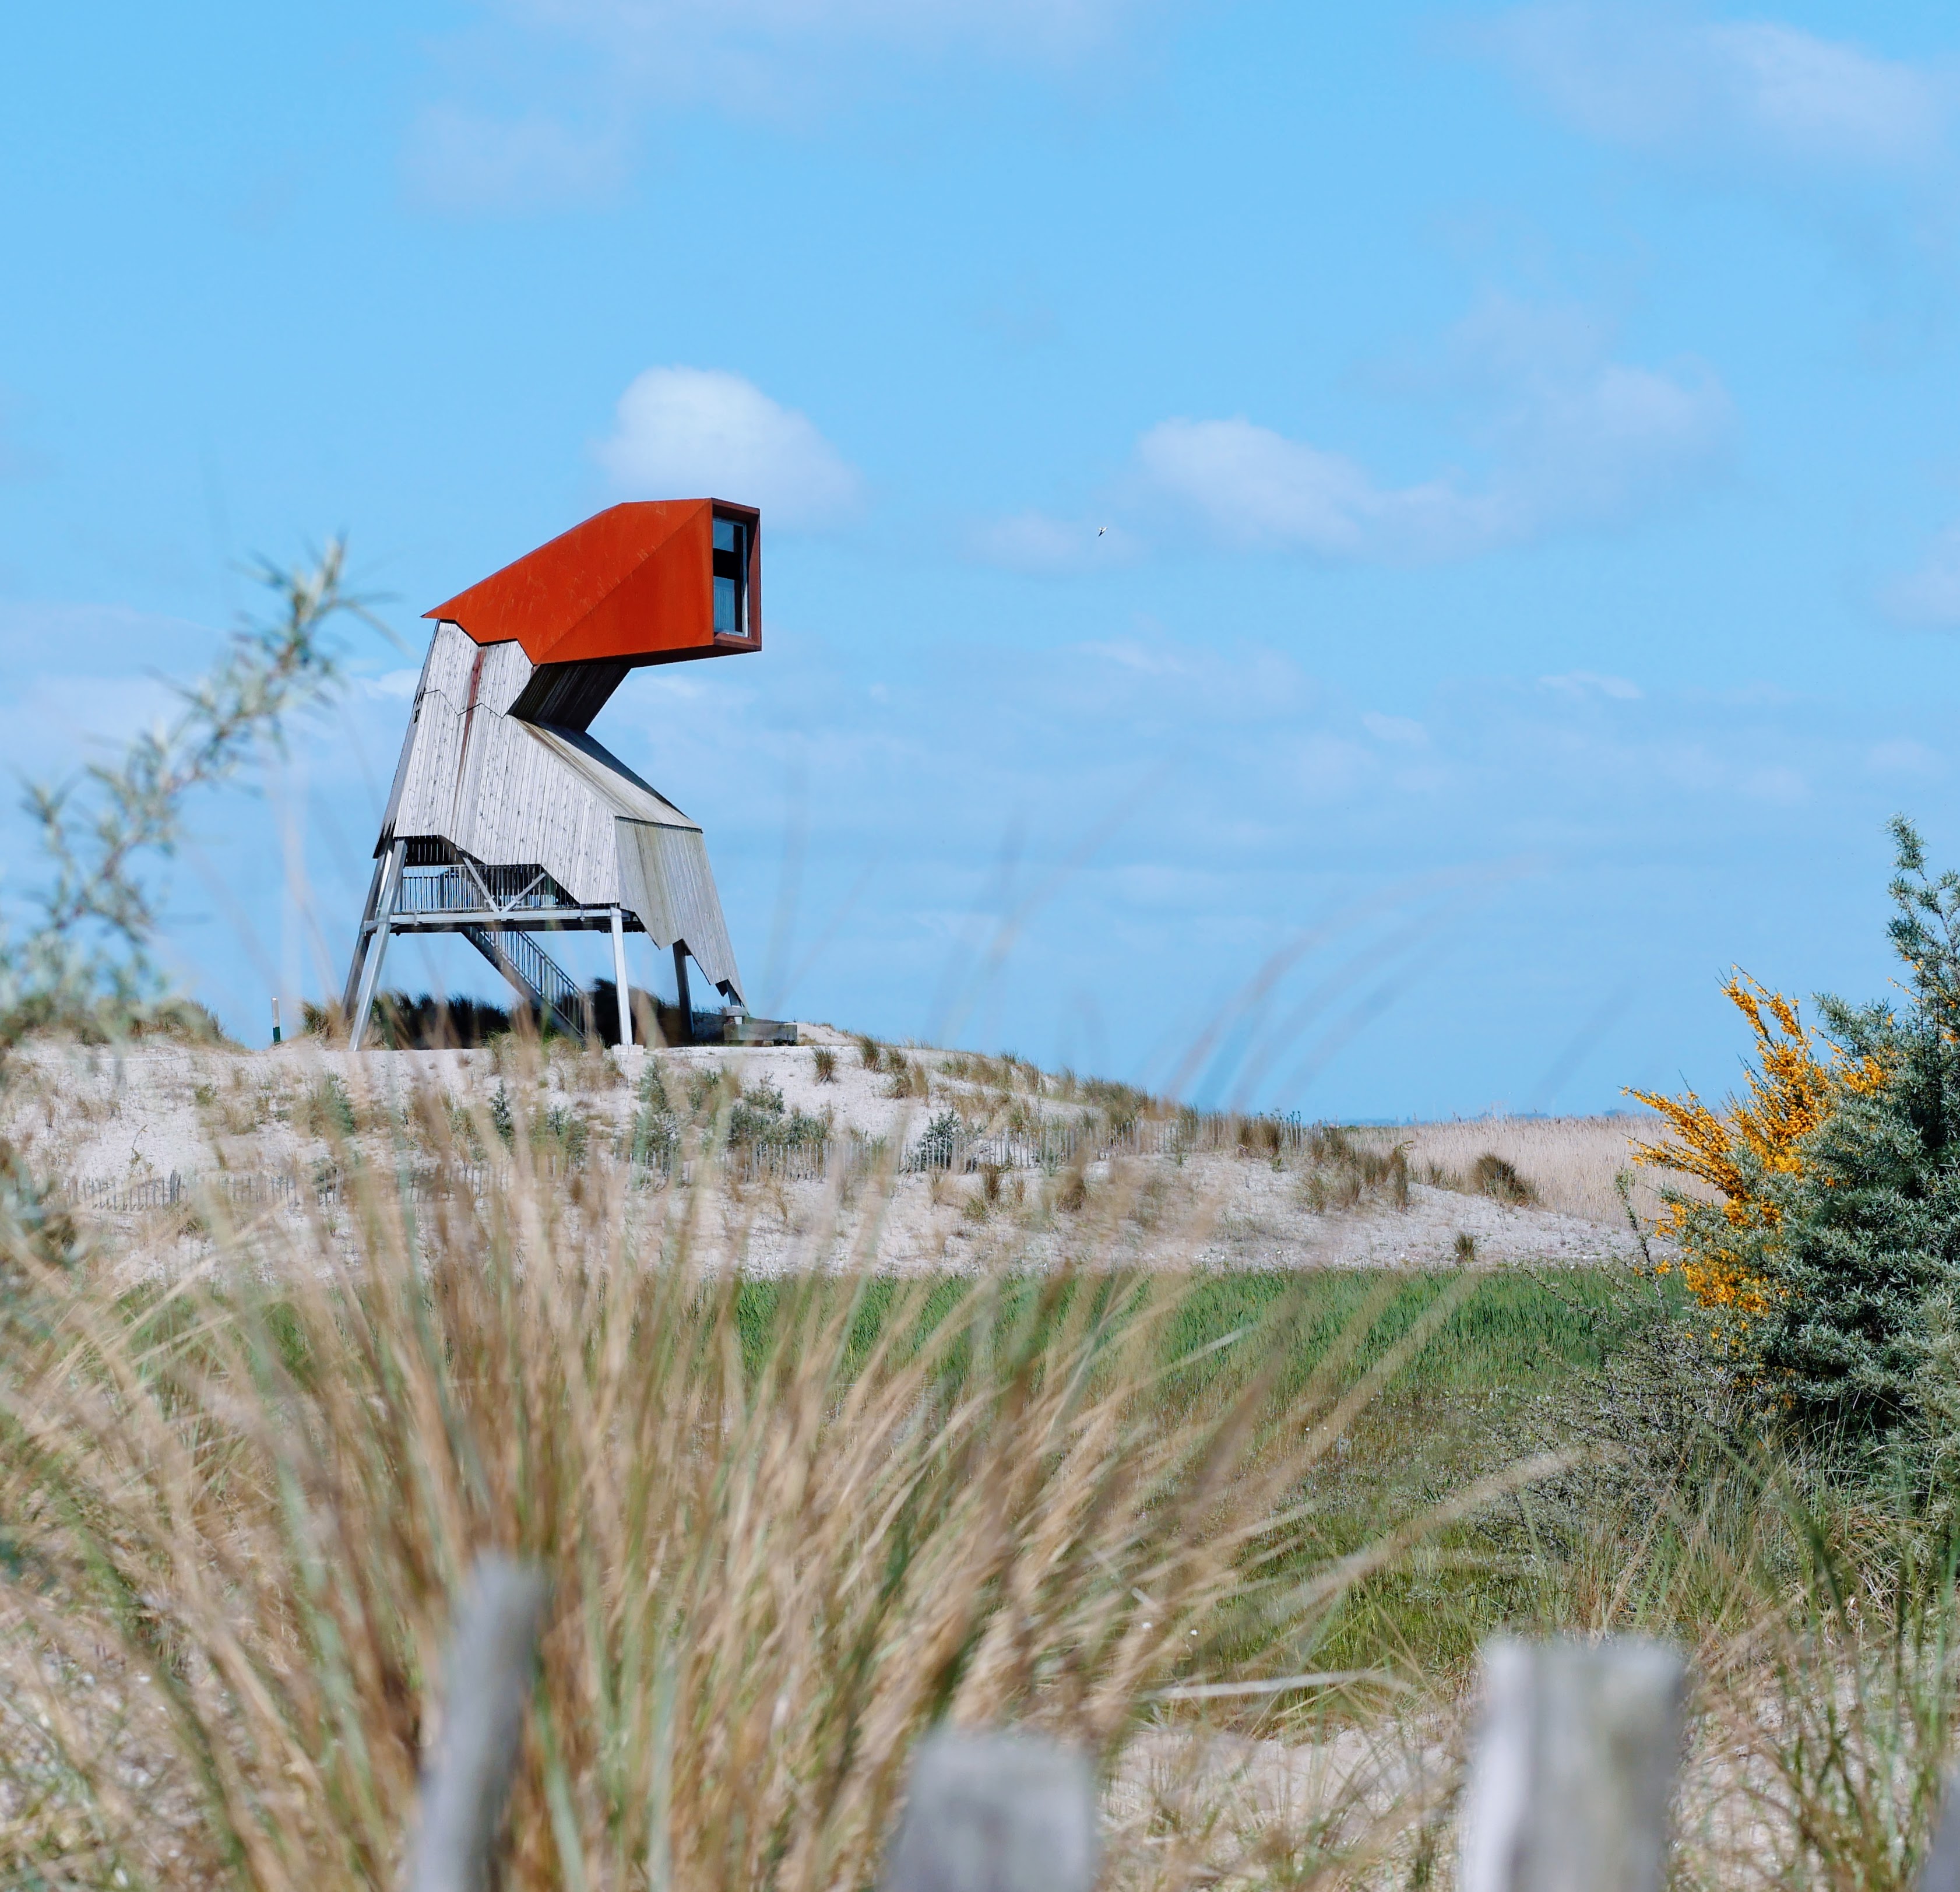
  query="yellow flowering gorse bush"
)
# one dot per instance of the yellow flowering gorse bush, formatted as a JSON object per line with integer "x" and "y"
{"x": 1791, "y": 1090}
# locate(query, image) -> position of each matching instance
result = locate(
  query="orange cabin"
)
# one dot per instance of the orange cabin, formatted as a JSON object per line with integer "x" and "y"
{"x": 651, "y": 581}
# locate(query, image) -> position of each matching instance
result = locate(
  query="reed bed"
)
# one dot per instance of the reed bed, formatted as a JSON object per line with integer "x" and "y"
{"x": 1570, "y": 1163}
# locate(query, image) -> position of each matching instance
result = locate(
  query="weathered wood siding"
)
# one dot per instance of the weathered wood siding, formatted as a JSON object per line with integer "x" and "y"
{"x": 506, "y": 792}
{"x": 668, "y": 883}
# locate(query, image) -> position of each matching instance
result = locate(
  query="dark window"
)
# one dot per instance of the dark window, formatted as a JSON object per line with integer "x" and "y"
{"x": 731, "y": 578}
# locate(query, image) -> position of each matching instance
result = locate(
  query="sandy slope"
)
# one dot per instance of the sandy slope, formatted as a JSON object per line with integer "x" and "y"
{"x": 145, "y": 1113}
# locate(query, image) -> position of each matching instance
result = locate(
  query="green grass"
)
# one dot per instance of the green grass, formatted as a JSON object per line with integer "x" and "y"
{"x": 1515, "y": 1333}
{"x": 1506, "y": 1374}
{"x": 1496, "y": 1381}
{"x": 1498, "y": 1377}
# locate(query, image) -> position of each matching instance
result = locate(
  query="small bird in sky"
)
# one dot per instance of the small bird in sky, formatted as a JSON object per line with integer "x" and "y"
{"x": 1100, "y": 530}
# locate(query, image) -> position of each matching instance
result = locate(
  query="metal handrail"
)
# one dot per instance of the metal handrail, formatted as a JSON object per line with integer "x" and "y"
{"x": 453, "y": 891}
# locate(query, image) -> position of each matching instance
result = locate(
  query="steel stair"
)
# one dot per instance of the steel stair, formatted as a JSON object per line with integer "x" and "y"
{"x": 532, "y": 970}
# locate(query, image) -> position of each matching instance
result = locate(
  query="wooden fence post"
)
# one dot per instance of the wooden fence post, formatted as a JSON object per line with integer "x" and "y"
{"x": 1941, "y": 1870}
{"x": 995, "y": 1812}
{"x": 492, "y": 1655}
{"x": 1574, "y": 1767}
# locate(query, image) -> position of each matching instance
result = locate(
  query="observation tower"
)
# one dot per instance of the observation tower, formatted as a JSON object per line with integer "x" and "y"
{"x": 507, "y": 820}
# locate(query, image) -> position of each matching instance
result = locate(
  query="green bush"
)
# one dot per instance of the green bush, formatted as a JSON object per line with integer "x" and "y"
{"x": 656, "y": 1132}
{"x": 937, "y": 1143}
{"x": 1859, "y": 1257}
{"x": 329, "y": 1110}
{"x": 759, "y": 1117}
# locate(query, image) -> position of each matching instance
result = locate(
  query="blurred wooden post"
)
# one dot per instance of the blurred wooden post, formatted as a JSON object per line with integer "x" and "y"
{"x": 1941, "y": 1872}
{"x": 492, "y": 1655}
{"x": 1574, "y": 1768}
{"x": 995, "y": 1812}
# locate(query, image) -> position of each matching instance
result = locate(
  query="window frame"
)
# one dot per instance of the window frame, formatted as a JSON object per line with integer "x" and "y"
{"x": 750, "y": 519}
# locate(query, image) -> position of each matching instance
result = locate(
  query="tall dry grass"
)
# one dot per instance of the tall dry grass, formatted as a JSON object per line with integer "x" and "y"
{"x": 1570, "y": 1162}
{"x": 1822, "y": 1624}
{"x": 237, "y": 1506}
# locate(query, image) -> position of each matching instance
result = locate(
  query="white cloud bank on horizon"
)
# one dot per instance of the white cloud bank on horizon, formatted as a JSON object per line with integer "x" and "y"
{"x": 1651, "y": 78}
{"x": 688, "y": 432}
{"x": 1573, "y": 438}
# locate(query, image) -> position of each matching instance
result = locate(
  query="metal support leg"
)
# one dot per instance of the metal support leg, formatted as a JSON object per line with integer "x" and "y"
{"x": 371, "y": 972}
{"x": 620, "y": 991}
{"x": 686, "y": 1004}
{"x": 363, "y": 937}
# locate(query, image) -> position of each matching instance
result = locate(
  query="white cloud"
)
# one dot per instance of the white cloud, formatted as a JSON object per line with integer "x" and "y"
{"x": 1587, "y": 682}
{"x": 756, "y": 45}
{"x": 1907, "y": 757}
{"x": 73, "y": 689}
{"x": 1650, "y": 77}
{"x": 614, "y": 60}
{"x": 1573, "y": 438}
{"x": 1404, "y": 731}
{"x": 1929, "y": 597}
{"x": 1578, "y": 435}
{"x": 1825, "y": 99}
{"x": 1154, "y": 658}
{"x": 688, "y": 431}
{"x": 1782, "y": 786}
{"x": 1252, "y": 486}
{"x": 463, "y": 160}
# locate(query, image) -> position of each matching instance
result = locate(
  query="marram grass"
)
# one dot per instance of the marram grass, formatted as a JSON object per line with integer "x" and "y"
{"x": 238, "y": 1506}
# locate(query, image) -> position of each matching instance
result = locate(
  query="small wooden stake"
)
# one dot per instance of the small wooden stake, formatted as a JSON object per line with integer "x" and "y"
{"x": 492, "y": 1654}
{"x": 1941, "y": 1872}
{"x": 995, "y": 1812}
{"x": 1574, "y": 1768}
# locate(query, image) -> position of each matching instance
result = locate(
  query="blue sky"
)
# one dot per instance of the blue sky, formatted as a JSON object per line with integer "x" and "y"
{"x": 1351, "y": 560}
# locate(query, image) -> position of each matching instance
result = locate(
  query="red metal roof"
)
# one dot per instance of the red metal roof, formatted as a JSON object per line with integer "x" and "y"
{"x": 634, "y": 583}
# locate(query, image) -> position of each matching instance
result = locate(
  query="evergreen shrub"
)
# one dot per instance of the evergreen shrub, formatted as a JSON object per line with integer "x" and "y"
{"x": 1826, "y": 1279}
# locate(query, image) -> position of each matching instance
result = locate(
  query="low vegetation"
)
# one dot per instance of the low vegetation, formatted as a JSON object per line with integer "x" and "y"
{"x": 1342, "y": 1171}
{"x": 769, "y": 1573}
